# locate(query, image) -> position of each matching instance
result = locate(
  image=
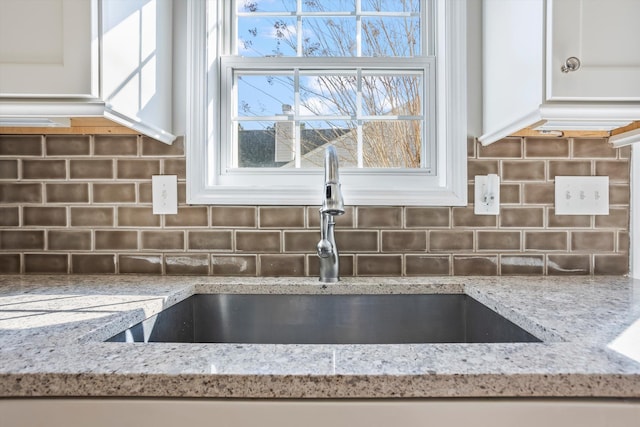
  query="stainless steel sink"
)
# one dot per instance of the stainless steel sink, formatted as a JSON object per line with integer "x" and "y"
{"x": 326, "y": 319}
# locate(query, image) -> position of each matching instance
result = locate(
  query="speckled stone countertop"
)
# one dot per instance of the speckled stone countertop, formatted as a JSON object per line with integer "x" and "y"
{"x": 52, "y": 332}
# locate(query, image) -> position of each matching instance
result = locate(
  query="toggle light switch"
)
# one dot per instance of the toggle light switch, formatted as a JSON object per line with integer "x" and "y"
{"x": 582, "y": 195}
{"x": 487, "y": 195}
{"x": 164, "y": 193}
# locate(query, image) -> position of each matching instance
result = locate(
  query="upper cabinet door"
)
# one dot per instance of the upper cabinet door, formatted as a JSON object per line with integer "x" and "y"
{"x": 49, "y": 48}
{"x": 593, "y": 50}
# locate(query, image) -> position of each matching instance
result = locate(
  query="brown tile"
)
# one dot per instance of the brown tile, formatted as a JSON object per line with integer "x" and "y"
{"x": 115, "y": 145}
{"x": 258, "y": 241}
{"x": 521, "y": 217}
{"x": 539, "y": 193}
{"x": 145, "y": 194}
{"x": 568, "y": 264}
{"x": 523, "y": 170}
{"x": 469, "y": 265}
{"x": 9, "y": 264}
{"x": 505, "y": 148}
{"x": 464, "y": 217}
{"x": 67, "y": 145}
{"x": 499, "y": 240}
{"x": 472, "y": 145}
{"x": 616, "y": 170}
{"x": 427, "y": 265}
{"x": 404, "y": 241}
{"x": 44, "y": 216}
{"x": 20, "y": 193}
{"x": 233, "y": 216}
{"x": 140, "y": 264}
{"x": 301, "y": 241}
{"x": 236, "y": 265}
{"x": 9, "y": 217}
{"x": 593, "y": 148}
{"x": 623, "y": 242}
{"x": 176, "y": 167}
{"x": 210, "y": 240}
{"x": 8, "y": 169}
{"x": 46, "y": 263}
{"x": 357, "y": 241}
{"x": 281, "y": 265}
{"x": 567, "y": 221}
{"x": 64, "y": 240}
{"x": 569, "y": 168}
{"x": 188, "y": 216}
{"x": 44, "y": 169}
{"x": 162, "y": 240}
{"x": 116, "y": 240}
{"x": 137, "y": 217}
{"x": 114, "y": 193}
{"x": 546, "y": 147}
{"x": 521, "y": 265}
{"x": 482, "y": 167}
{"x": 91, "y": 169}
{"x": 617, "y": 218}
{"x": 93, "y": 264}
{"x": 151, "y": 147}
{"x": 379, "y": 217}
{"x": 345, "y": 266}
{"x": 545, "y": 241}
{"x": 187, "y": 264}
{"x": 87, "y": 217}
{"x": 509, "y": 193}
{"x": 21, "y": 239}
{"x": 450, "y": 240}
{"x": 379, "y": 265}
{"x": 592, "y": 241}
{"x": 624, "y": 152}
{"x": 611, "y": 264}
{"x": 20, "y": 145}
{"x": 67, "y": 193}
{"x": 342, "y": 221}
{"x": 281, "y": 217}
{"x": 427, "y": 217}
{"x": 619, "y": 194}
{"x": 137, "y": 169}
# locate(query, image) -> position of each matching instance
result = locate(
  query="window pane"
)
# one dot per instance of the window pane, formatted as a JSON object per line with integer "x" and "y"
{"x": 323, "y": 95}
{"x": 391, "y": 5}
{"x": 328, "y": 6}
{"x": 267, "y": 36}
{"x": 386, "y": 36}
{"x": 335, "y": 36}
{"x": 392, "y": 94}
{"x": 247, "y": 6}
{"x": 256, "y": 145}
{"x": 315, "y": 136}
{"x": 392, "y": 144}
{"x": 261, "y": 95}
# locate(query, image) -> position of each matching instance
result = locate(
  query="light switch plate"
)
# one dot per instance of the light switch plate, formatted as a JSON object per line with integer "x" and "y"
{"x": 582, "y": 195}
{"x": 164, "y": 193}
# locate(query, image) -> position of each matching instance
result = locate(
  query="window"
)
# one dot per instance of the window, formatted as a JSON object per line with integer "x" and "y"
{"x": 273, "y": 82}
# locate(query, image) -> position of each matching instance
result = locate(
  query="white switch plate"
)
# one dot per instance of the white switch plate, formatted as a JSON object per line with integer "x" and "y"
{"x": 487, "y": 195}
{"x": 164, "y": 193}
{"x": 582, "y": 195}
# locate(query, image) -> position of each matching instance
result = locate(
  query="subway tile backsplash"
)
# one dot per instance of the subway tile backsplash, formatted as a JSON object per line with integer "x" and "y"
{"x": 81, "y": 204}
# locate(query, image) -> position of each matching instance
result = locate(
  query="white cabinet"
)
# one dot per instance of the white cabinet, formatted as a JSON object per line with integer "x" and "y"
{"x": 87, "y": 58}
{"x": 526, "y": 82}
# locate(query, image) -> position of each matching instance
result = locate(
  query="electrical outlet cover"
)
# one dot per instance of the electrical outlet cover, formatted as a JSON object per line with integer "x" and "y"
{"x": 164, "y": 193}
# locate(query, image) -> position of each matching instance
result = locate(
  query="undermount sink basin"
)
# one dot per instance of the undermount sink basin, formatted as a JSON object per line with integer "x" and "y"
{"x": 326, "y": 319}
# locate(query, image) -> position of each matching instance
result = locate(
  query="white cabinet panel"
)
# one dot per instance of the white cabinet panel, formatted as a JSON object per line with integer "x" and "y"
{"x": 48, "y": 48}
{"x": 605, "y": 36}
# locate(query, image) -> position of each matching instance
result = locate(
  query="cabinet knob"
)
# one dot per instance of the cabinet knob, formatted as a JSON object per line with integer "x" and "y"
{"x": 571, "y": 64}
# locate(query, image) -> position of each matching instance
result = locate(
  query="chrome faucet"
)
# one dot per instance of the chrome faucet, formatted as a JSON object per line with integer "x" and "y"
{"x": 332, "y": 205}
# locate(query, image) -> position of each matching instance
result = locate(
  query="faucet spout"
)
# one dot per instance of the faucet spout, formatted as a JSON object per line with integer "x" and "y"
{"x": 332, "y": 204}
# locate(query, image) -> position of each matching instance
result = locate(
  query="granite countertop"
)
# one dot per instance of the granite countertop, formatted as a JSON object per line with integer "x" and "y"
{"x": 52, "y": 332}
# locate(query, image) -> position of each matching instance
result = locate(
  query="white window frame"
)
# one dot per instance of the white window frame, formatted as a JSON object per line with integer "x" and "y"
{"x": 207, "y": 183}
